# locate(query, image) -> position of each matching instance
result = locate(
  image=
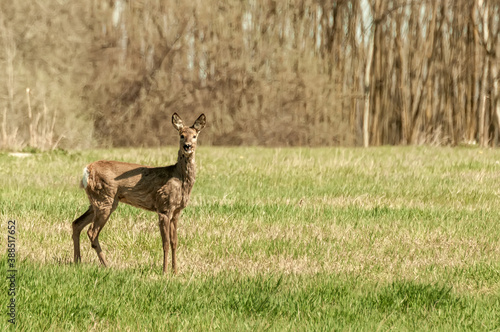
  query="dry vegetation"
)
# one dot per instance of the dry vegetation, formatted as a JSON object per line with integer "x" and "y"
{"x": 355, "y": 72}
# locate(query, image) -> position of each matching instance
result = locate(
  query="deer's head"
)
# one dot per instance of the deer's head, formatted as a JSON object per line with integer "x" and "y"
{"x": 188, "y": 135}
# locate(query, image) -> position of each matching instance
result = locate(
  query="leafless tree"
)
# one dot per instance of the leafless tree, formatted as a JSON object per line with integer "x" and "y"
{"x": 357, "y": 72}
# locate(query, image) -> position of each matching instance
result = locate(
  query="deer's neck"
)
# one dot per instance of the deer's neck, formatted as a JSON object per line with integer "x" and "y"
{"x": 186, "y": 168}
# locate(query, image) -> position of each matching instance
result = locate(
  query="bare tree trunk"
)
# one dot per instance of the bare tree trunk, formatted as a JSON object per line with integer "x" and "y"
{"x": 368, "y": 81}
{"x": 367, "y": 95}
{"x": 496, "y": 95}
{"x": 424, "y": 72}
{"x": 403, "y": 84}
{"x": 376, "y": 77}
{"x": 488, "y": 41}
{"x": 483, "y": 134}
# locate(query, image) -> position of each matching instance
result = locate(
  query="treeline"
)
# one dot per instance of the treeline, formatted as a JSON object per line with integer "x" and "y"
{"x": 351, "y": 72}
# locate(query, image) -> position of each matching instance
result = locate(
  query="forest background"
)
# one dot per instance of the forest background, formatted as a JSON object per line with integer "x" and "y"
{"x": 274, "y": 73}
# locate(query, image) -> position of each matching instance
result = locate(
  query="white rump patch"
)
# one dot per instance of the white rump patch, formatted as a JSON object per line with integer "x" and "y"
{"x": 85, "y": 177}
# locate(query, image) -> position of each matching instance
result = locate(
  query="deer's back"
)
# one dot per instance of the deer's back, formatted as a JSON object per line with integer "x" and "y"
{"x": 141, "y": 186}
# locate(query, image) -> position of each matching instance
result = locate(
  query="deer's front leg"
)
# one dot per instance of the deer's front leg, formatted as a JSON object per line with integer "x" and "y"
{"x": 173, "y": 238}
{"x": 164, "y": 223}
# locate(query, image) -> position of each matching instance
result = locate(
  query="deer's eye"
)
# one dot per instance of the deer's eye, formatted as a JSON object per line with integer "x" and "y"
{"x": 182, "y": 136}
{"x": 194, "y": 136}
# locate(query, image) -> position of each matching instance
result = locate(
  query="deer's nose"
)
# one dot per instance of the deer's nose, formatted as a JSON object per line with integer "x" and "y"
{"x": 187, "y": 147}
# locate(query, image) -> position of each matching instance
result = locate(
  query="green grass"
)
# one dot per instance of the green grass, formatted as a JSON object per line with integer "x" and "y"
{"x": 278, "y": 239}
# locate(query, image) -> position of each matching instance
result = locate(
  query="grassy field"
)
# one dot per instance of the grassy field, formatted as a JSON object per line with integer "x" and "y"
{"x": 273, "y": 239}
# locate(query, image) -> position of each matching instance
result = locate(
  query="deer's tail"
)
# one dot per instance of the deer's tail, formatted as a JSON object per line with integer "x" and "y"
{"x": 85, "y": 178}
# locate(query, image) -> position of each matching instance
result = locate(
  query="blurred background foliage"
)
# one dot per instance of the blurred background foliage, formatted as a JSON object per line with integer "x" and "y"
{"x": 81, "y": 74}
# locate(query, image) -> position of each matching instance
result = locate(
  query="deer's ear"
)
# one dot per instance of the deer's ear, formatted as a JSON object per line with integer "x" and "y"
{"x": 200, "y": 123}
{"x": 177, "y": 122}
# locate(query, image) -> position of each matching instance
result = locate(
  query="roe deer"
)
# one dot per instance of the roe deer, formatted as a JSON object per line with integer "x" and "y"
{"x": 164, "y": 190}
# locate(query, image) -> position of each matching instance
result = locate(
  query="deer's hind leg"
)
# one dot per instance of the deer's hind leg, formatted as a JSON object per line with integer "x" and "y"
{"x": 78, "y": 225}
{"x": 101, "y": 216}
